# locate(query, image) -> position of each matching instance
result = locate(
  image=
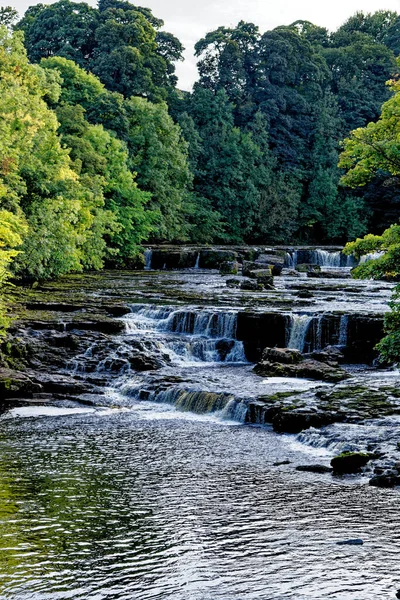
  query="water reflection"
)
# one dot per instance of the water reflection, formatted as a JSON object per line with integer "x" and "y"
{"x": 115, "y": 505}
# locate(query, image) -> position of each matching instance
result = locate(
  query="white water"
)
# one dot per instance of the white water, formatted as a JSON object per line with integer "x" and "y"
{"x": 299, "y": 325}
{"x": 148, "y": 255}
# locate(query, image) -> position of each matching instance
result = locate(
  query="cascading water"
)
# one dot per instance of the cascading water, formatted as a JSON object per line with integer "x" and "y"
{"x": 370, "y": 256}
{"x": 298, "y": 329}
{"x": 148, "y": 255}
{"x": 190, "y": 335}
{"x": 343, "y": 330}
{"x": 324, "y": 258}
{"x": 197, "y": 263}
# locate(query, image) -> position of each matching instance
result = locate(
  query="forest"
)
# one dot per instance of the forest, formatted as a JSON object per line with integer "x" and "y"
{"x": 101, "y": 151}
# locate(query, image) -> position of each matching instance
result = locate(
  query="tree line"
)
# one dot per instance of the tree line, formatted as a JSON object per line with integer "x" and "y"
{"x": 100, "y": 150}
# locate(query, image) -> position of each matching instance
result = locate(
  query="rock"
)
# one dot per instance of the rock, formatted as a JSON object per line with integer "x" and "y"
{"x": 251, "y": 285}
{"x": 260, "y": 329}
{"x": 282, "y": 462}
{"x": 329, "y": 274}
{"x": 305, "y": 294}
{"x": 349, "y": 462}
{"x": 308, "y": 268}
{"x": 212, "y": 259}
{"x": 14, "y": 384}
{"x": 142, "y": 362}
{"x": 233, "y": 283}
{"x": 385, "y": 480}
{"x": 282, "y": 355}
{"x": 172, "y": 258}
{"x": 101, "y": 325}
{"x": 294, "y": 421}
{"x": 248, "y": 267}
{"x": 307, "y": 369}
{"x": 263, "y": 276}
{"x": 351, "y": 542}
{"x": 292, "y": 273}
{"x": 314, "y": 468}
{"x": 330, "y": 355}
{"x": 54, "y": 306}
{"x": 118, "y": 310}
{"x": 228, "y": 267}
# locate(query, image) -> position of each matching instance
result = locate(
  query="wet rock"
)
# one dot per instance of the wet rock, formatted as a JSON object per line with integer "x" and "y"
{"x": 282, "y": 462}
{"x": 233, "y": 283}
{"x": 282, "y": 355}
{"x": 330, "y": 355}
{"x": 292, "y": 273}
{"x": 308, "y": 268}
{"x": 363, "y": 333}
{"x": 54, "y": 306}
{"x": 352, "y": 542}
{"x": 307, "y": 369}
{"x": 102, "y": 325}
{"x": 228, "y": 267}
{"x": 141, "y": 362}
{"x": 350, "y": 462}
{"x": 212, "y": 259}
{"x": 329, "y": 274}
{"x": 314, "y": 468}
{"x": 294, "y": 421}
{"x": 14, "y": 384}
{"x": 172, "y": 258}
{"x": 260, "y": 329}
{"x": 118, "y": 310}
{"x": 248, "y": 267}
{"x": 263, "y": 276}
{"x": 305, "y": 294}
{"x": 59, "y": 384}
{"x": 385, "y": 480}
{"x": 251, "y": 285}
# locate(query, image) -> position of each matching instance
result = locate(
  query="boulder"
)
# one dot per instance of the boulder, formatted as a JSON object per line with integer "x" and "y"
{"x": 308, "y": 268}
{"x": 229, "y": 267}
{"x": 314, "y": 468}
{"x": 342, "y": 274}
{"x": 143, "y": 362}
{"x": 287, "y": 356}
{"x": 292, "y": 273}
{"x": 385, "y": 480}
{"x": 233, "y": 283}
{"x": 251, "y": 286}
{"x": 263, "y": 276}
{"x": 249, "y": 266}
{"x": 306, "y": 369}
{"x": 349, "y": 462}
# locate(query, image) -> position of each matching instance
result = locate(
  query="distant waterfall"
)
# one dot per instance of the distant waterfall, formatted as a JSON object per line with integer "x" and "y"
{"x": 148, "y": 255}
{"x": 196, "y": 266}
{"x": 343, "y": 330}
{"x": 298, "y": 329}
{"x": 371, "y": 256}
{"x": 323, "y": 258}
{"x": 221, "y": 325}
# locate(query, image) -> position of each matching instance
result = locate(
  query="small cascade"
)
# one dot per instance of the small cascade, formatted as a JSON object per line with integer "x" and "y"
{"x": 343, "y": 330}
{"x": 324, "y": 258}
{"x": 197, "y": 263}
{"x": 189, "y": 335}
{"x": 298, "y": 329}
{"x": 148, "y": 255}
{"x": 197, "y": 401}
{"x": 221, "y": 325}
{"x": 371, "y": 256}
{"x": 291, "y": 259}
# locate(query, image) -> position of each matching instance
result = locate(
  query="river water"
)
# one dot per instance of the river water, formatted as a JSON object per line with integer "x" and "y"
{"x": 154, "y": 494}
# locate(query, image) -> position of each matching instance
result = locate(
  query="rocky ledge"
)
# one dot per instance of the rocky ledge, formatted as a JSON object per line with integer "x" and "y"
{"x": 284, "y": 362}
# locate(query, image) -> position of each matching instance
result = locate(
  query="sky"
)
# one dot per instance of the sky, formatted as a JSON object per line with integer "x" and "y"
{"x": 190, "y": 20}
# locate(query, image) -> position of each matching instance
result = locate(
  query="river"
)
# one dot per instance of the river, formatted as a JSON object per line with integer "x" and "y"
{"x": 160, "y": 489}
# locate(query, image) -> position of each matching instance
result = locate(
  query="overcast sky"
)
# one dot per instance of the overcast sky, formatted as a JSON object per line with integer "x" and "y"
{"x": 189, "y": 20}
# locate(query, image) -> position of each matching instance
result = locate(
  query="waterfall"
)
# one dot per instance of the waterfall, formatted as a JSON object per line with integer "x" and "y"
{"x": 291, "y": 259}
{"x": 371, "y": 256}
{"x": 148, "y": 255}
{"x": 196, "y": 266}
{"x": 189, "y": 336}
{"x": 323, "y": 258}
{"x": 210, "y": 324}
{"x": 343, "y": 330}
{"x": 299, "y": 326}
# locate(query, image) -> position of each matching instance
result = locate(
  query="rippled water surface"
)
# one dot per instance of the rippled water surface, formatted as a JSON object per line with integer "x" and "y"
{"x": 149, "y": 503}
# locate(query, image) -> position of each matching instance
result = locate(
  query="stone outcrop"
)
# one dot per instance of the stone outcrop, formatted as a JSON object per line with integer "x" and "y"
{"x": 349, "y": 462}
{"x": 281, "y": 364}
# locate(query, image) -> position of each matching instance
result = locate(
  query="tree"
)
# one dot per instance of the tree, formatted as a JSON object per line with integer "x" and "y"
{"x": 119, "y": 42}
